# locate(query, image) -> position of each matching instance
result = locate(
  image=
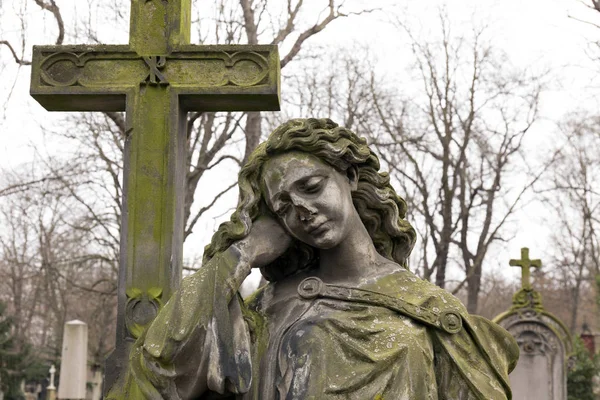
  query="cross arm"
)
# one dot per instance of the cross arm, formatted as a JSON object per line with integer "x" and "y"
{"x": 207, "y": 78}
{"x": 536, "y": 263}
{"x": 63, "y": 77}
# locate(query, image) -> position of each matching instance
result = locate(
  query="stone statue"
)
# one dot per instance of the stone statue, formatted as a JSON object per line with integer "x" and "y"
{"x": 341, "y": 317}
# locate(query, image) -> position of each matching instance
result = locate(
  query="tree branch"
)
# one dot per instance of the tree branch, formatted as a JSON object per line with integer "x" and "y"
{"x": 53, "y": 8}
{"x": 18, "y": 60}
{"x": 189, "y": 229}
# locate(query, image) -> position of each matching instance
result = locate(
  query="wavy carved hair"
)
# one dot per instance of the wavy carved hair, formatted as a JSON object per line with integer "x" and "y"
{"x": 381, "y": 210}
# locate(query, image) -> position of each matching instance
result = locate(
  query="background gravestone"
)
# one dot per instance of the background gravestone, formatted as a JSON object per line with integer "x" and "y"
{"x": 544, "y": 342}
{"x": 51, "y": 389}
{"x": 73, "y": 365}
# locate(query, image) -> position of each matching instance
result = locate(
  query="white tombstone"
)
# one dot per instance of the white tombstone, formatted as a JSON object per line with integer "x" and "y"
{"x": 73, "y": 366}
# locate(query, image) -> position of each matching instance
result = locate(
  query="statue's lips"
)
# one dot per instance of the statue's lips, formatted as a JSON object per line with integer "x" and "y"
{"x": 317, "y": 229}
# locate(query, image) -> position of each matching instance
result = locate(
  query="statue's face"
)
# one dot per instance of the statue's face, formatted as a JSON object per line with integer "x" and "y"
{"x": 312, "y": 199}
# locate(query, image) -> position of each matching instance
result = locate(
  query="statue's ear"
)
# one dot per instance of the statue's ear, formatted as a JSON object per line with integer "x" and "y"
{"x": 352, "y": 174}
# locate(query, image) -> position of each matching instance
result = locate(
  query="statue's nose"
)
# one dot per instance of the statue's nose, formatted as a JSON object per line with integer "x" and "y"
{"x": 304, "y": 213}
{"x": 303, "y": 207}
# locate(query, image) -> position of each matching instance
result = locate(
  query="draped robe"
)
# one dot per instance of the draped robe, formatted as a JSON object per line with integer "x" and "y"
{"x": 396, "y": 337}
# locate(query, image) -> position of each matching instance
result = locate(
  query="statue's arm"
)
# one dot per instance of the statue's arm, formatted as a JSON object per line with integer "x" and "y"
{"x": 199, "y": 341}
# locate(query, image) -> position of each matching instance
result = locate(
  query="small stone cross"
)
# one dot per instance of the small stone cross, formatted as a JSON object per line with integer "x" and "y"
{"x": 525, "y": 263}
{"x": 52, "y": 372}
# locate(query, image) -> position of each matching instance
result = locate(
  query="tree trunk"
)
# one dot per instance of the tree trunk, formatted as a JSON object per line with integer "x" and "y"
{"x": 442, "y": 261}
{"x": 252, "y": 132}
{"x": 473, "y": 288}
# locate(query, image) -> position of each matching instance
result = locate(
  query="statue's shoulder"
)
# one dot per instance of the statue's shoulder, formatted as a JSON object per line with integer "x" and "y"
{"x": 436, "y": 294}
{"x": 407, "y": 286}
{"x": 499, "y": 346}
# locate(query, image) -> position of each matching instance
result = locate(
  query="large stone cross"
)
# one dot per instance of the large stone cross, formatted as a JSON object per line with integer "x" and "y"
{"x": 157, "y": 79}
{"x": 525, "y": 263}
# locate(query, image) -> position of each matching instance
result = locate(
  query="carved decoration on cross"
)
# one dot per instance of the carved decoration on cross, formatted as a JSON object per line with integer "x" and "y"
{"x": 525, "y": 263}
{"x": 155, "y": 76}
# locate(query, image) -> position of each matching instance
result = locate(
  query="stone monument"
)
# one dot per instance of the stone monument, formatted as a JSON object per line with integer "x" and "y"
{"x": 544, "y": 341}
{"x": 51, "y": 389}
{"x": 341, "y": 316}
{"x": 73, "y": 361}
{"x": 156, "y": 79}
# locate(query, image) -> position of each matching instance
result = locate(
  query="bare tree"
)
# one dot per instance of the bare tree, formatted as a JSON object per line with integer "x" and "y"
{"x": 18, "y": 51}
{"x": 52, "y": 269}
{"x": 574, "y": 197}
{"x": 456, "y": 147}
{"x": 336, "y": 87}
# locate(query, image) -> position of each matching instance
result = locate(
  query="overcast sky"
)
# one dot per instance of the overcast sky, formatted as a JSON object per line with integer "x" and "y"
{"x": 537, "y": 34}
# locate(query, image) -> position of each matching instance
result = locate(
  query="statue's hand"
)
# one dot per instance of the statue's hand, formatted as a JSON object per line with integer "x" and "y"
{"x": 266, "y": 241}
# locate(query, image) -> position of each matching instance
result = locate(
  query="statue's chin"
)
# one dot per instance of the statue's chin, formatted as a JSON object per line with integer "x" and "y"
{"x": 325, "y": 241}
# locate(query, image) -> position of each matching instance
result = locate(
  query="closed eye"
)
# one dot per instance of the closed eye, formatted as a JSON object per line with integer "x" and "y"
{"x": 312, "y": 185}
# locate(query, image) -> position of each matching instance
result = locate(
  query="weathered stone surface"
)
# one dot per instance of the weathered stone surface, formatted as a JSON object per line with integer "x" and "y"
{"x": 207, "y": 78}
{"x": 157, "y": 79}
{"x": 544, "y": 342}
{"x": 73, "y": 361}
{"x": 545, "y": 345}
{"x": 342, "y": 317}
